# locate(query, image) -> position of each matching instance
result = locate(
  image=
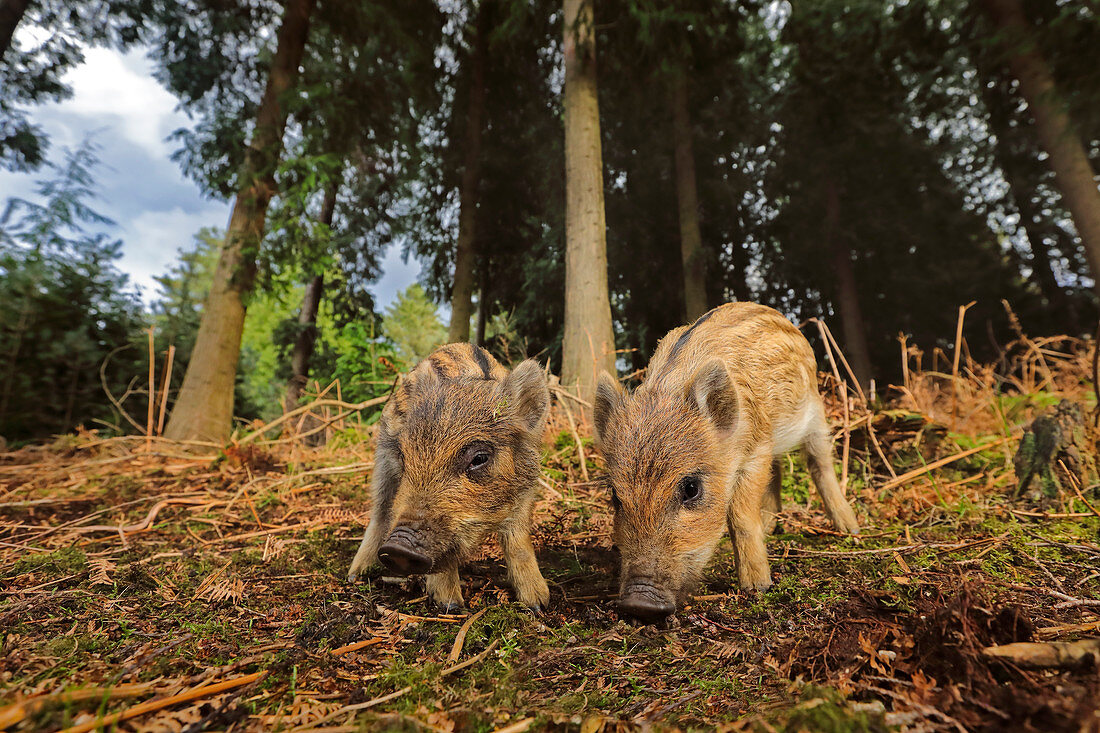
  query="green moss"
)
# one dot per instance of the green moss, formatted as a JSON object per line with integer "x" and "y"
{"x": 66, "y": 561}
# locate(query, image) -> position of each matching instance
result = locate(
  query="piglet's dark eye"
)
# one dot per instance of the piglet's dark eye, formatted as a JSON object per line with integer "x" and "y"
{"x": 478, "y": 460}
{"x": 691, "y": 488}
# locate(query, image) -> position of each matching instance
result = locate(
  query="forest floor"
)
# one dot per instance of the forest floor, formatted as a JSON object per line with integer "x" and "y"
{"x": 144, "y": 586}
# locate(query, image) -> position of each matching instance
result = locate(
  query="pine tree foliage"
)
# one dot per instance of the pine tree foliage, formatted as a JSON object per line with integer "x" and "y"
{"x": 69, "y": 320}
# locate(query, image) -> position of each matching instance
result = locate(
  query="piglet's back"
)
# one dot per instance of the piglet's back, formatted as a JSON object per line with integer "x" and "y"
{"x": 766, "y": 355}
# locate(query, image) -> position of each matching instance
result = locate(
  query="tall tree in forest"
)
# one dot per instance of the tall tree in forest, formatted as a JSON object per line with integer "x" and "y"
{"x": 466, "y": 255}
{"x": 204, "y": 408}
{"x": 520, "y": 211}
{"x": 588, "y": 344}
{"x": 1053, "y": 126}
{"x": 687, "y": 197}
{"x": 306, "y": 338}
{"x": 676, "y": 130}
{"x": 847, "y": 288}
{"x": 869, "y": 214}
{"x": 369, "y": 83}
{"x": 1028, "y": 193}
{"x": 67, "y": 314}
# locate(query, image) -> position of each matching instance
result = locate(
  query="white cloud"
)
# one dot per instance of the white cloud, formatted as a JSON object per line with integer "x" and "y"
{"x": 121, "y": 93}
{"x": 153, "y": 239}
{"x": 117, "y": 100}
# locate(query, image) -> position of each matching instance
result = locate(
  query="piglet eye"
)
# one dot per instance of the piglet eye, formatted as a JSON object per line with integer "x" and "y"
{"x": 478, "y": 460}
{"x": 691, "y": 488}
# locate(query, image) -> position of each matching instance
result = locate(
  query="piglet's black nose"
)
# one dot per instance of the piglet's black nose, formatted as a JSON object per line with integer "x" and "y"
{"x": 398, "y": 557}
{"x": 646, "y": 605}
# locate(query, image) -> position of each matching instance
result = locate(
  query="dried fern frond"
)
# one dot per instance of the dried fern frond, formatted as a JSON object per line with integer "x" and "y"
{"x": 101, "y": 569}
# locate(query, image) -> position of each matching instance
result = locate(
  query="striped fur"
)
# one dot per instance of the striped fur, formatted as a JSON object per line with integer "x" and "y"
{"x": 722, "y": 399}
{"x": 457, "y": 404}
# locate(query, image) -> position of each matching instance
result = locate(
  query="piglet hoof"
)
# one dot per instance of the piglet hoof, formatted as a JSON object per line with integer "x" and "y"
{"x": 450, "y": 608}
{"x": 759, "y": 584}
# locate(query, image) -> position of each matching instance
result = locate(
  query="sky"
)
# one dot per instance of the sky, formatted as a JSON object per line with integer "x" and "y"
{"x": 156, "y": 209}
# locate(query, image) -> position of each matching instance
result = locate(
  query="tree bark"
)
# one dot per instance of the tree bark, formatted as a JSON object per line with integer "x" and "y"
{"x": 204, "y": 407}
{"x": 1041, "y": 254}
{"x": 588, "y": 345}
{"x": 691, "y": 240}
{"x": 1000, "y": 105}
{"x": 482, "y": 302}
{"x": 307, "y": 317}
{"x": 11, "y": 12}
{"x": 466, "y": 247}
{"x": 1068, "y": 159}
{"x": 847, "y": 294}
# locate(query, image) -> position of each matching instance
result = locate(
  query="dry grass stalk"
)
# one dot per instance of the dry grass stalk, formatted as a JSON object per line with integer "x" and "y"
{"x": 154, "y": 705}
{"x": 842, "y": 395}
{"x": 576, "y": 440}
{"x": 955, "y": 362}
{"x": 152, "y": 391}
{"x": 909, "y": 476}
{"x": 165, "y": 383}
{"x": 267, "y": 427}
{"x": 472, "y": 660}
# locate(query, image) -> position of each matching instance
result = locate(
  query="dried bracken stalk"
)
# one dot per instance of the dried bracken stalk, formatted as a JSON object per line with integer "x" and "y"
{"x": 101, "y": 568}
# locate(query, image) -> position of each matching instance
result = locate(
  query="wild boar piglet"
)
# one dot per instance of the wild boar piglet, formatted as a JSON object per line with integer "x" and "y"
{"x": 693, "y": 451}
{"x": 457, "y": 458}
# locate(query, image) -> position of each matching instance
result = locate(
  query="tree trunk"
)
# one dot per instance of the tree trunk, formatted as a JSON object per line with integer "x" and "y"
{"x": 588, "y": 345}
{"x": 847, "y": 295}
{"x": 691, "y": 240}
{"x": 465, "y": 248}
{"x": 1041, "y": 255}
{"x": 204, "y": 407}
{"x": 1053, "y": 126}
{"x": 1000, "y": 105}
{"x": 11, "y": 12}
{"x": 482, "y": 302}
{"x": 307, "y": 318}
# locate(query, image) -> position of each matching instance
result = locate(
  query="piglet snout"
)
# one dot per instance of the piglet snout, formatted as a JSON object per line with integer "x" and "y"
{"x": 400, "y": 554}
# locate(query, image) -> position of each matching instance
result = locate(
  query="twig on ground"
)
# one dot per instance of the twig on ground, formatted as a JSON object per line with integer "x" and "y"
{"x": 1047, "y": 654}
{"x": 557, "y": 389}
{"x": 351, "y": 709}
{"x": 312, "y": 405}
{"x": 460, "y": 638}
{"x": 355, "y": 647}
{"x": 154, "y": 705}
{"x": 20, "y": 710}
{"x": 576, "y": 441}
{"x": 909, "y": 476}
{"x": 472, "y": 660}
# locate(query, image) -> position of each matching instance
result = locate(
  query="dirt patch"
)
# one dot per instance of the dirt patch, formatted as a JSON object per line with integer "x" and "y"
{"x": 930, "y": 659}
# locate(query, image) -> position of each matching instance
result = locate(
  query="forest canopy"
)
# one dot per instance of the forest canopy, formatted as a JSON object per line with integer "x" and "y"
{"x": 874, "y": 164}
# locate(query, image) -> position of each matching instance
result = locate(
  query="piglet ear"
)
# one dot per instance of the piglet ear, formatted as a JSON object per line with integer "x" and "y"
{"x": 711, "y": 391}
{"x": 526, "y": 388}
{"x": 609, "y": 396}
